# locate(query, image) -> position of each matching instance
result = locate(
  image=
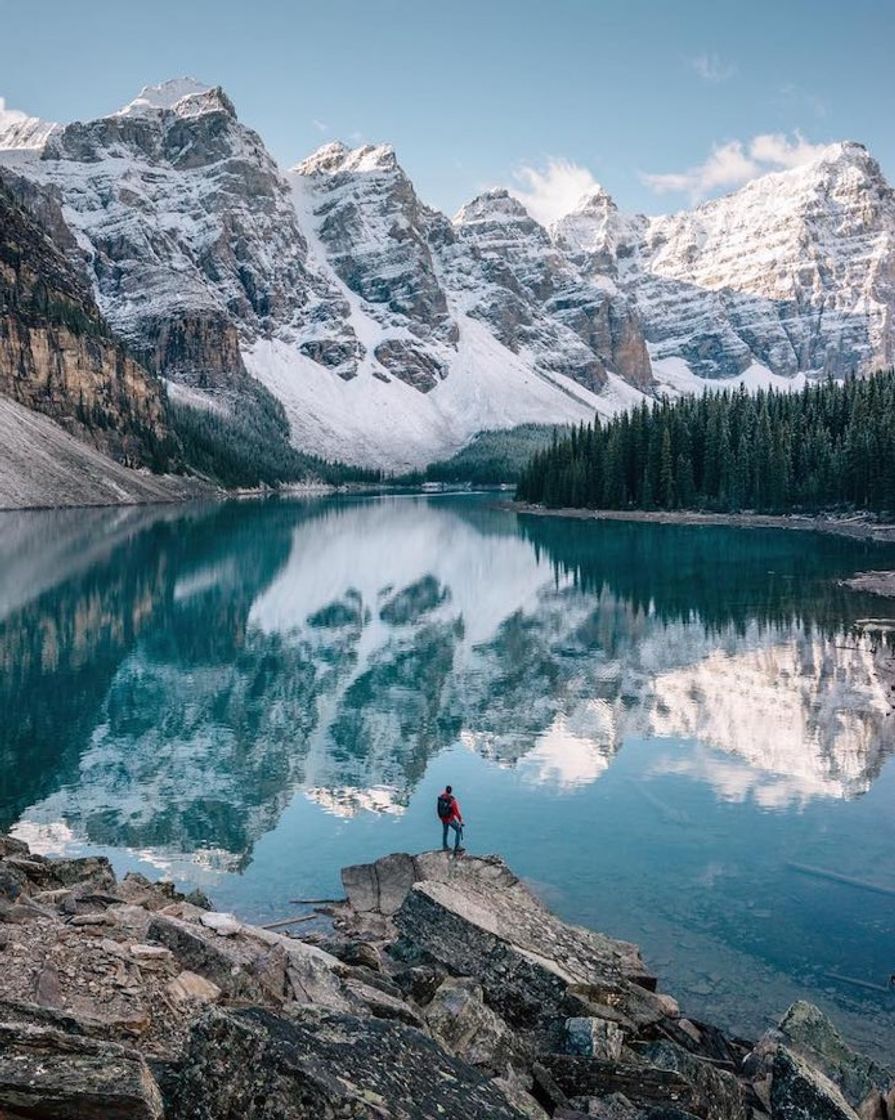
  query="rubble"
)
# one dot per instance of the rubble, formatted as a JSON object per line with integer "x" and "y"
{"x": 442, "y": 988}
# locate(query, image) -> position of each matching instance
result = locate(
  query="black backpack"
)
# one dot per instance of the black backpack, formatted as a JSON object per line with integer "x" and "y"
{"x": 445, "y": 805}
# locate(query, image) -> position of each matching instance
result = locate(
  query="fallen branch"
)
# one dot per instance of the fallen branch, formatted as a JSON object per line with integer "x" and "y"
{"x": 317, "y": 901}
{"x": 291, "y": 921}
{"x": 835, "y": 877}
{"x": 857, "y": 983}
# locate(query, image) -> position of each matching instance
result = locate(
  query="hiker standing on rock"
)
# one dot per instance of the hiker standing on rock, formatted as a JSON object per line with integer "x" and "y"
{"x": 448, "y": 808}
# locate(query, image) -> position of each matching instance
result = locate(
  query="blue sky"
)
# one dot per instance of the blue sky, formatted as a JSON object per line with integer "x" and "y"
{"x": 662, "y": 103}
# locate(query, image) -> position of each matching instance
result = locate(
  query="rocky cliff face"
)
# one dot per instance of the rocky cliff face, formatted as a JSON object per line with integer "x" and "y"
{"x": 391, "y": 334}
{"x": 794, "y": 272}
{"x": 58, "y": 357}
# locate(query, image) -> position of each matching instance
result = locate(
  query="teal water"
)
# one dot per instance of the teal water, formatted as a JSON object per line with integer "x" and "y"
{"x": 652, "y": 723}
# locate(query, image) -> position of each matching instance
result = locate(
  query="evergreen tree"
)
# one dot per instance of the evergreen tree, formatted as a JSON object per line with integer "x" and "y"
{"x": 831, "y": 445}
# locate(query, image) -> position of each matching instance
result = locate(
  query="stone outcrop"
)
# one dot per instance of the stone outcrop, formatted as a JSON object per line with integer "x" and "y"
{"x": 440, "y": 989}
{"x": 58, "y": 356}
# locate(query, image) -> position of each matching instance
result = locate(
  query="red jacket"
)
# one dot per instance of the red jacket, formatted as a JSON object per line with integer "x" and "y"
{"x": 455, "y": 809}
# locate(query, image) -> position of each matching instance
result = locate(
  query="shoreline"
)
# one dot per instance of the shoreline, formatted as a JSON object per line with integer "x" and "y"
{"x": 860, "y": 527}
{"x": 129, "y": 996}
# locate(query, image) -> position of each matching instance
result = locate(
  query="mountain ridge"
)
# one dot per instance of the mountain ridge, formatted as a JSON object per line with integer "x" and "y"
{"x": 391, "y": 334}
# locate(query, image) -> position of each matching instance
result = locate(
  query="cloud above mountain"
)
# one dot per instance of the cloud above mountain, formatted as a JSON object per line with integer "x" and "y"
{"x": 736, "y": 162}
{"x": 712, "y": 68}
{"x": 550, "y": 192}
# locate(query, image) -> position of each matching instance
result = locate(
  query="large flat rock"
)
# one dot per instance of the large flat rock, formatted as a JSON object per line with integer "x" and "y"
{"x": 51, "y": 1075}
{"x": 530, "y": 963}
{"x": 327, "y": 1065}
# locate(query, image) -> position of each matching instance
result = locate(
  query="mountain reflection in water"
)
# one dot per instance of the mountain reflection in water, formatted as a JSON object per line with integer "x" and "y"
{"x": 200, "y": 690}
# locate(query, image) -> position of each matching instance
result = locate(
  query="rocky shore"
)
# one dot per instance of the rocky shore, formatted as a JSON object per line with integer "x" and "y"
{"x": 438, "y": 988}
{"x": 859, "y": 527}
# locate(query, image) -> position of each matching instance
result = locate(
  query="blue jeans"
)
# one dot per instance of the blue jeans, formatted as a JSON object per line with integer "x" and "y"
{"x": 458, "y": 829}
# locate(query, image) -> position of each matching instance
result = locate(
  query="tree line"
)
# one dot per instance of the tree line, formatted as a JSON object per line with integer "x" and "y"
{"x": 831, "y": 445}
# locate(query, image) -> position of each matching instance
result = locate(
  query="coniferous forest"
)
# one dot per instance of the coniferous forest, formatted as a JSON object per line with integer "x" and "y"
{"x": 831, "y": 445}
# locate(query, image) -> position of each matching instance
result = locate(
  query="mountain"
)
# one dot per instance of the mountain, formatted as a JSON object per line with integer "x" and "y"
{"x": 330, "y": 306}
{"x": 794, "y": 272}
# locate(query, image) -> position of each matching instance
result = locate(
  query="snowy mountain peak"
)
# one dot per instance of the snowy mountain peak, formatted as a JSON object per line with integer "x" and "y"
{"x": 336, "y": 157}
{"x": 325, "y": 161}
{"x": 596, "y": 201}
{"x": 18, "y": 130}
{"x": 492, "y": 205}
{"x": 166, "y": 95}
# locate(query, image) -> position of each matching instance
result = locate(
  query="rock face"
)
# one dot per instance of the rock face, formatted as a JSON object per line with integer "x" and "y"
{"x": 794, "y": 272}
{"x": 535, "y": 301}
{"x": 58, "y": 356}
{"x": 439, "y": 989}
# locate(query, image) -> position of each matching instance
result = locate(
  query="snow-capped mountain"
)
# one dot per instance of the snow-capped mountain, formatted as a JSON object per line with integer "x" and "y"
{"x": 794, "y": 272}
{"x": 392, "y": 334}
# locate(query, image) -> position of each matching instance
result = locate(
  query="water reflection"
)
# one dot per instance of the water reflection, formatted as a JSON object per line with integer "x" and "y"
{"x": 249, "y": 696}
{"x": 171, "y": 688}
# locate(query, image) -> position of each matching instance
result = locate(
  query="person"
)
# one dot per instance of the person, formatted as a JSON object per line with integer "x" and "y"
{"x": 448, "y": 808}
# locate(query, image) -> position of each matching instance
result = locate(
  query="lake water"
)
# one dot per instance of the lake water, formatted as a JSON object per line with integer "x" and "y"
{"x": 652, "y": 723}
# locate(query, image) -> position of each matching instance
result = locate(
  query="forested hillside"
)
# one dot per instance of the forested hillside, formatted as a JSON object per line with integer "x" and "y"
{"x": 830, "y": 445}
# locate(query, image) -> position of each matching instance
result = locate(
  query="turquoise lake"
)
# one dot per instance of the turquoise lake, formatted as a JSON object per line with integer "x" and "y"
{"x": 678, "y": 735}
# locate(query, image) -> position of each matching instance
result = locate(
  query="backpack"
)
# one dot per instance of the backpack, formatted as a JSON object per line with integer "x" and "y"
{"x": 445, "y": 805}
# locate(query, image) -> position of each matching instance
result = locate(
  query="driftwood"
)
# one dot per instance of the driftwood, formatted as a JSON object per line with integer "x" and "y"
{"x": 835, "y": 877}
{"x": 853, "y": 980}
{"x": 317, "y": 901}
{"x": 291, "y": 921}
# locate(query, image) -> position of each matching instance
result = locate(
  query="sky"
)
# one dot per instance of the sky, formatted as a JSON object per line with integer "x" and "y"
{"x": 663, "y": 103}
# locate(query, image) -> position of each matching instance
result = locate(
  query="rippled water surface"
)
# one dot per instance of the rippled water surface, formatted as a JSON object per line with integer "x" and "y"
{"x": 678, "y": 734}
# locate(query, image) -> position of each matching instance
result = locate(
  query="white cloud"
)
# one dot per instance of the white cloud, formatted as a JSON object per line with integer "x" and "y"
{"x": 711, "y": 68}
{"x": 776, "y": 149}
{"x": 734, "y": 163}
{"x": 320, "y": 126}
{"x": 548, "y": 194}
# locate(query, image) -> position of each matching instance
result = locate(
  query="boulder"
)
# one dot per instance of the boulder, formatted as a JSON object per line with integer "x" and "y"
{"x": 380, "y": 886}
{"x": 191, "y": 987}
{"x": 224, "y": 925}
{"x": 528, "y": 962}
{"x": 225, "y": 962}
{"x": 51, "y": 1075}
{"x": 459, "y": 1019}
{"x": 719, "y": 1090}
{"x": 326, "y": 1065}
{"x": 594, "y": 1038}
{"x": 799, "y": 1092}
{"x": 382, "y": 1004}
{"x": 646, "y": 1086}
{"x": 12, "y": 882}
{"x": 95, "y": 870}
{"x": 10, "y": 846}
{"x": 254, "y": 964}
{"x": 806, "y": 1031}
{"x": 517, "y": 1089}
{"x": 420, "y": 982}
